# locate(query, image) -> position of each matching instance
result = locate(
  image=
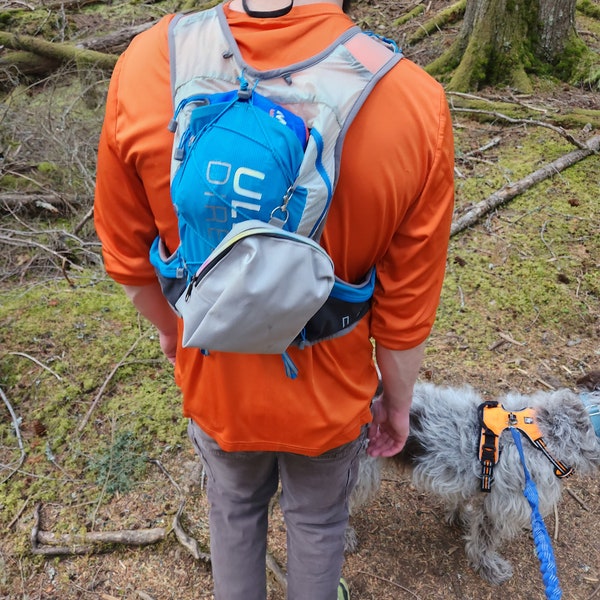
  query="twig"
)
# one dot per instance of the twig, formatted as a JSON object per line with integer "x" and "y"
{"x": 595, "y": 593}
{"x": 21, "y": 242}
{"x": 391, "y": 583}
{"x": 108, "y": 474}
{"x": 15, "y": 422}
{"x": 157, "y": 462}
{"x": 509, "y": 339}
{"x": 498, "y": 115}
{"x": 37, "y": 362}
{"x": 192, "y": 545}
{"x": 544, "y": 240}
{"x": 63, "y": 269}
{"x": 50, "y": 456}
{"x": 578, "y": 499}
{"x": 19, "y": 513}
{"x": 545, "y": 383}
{"x": 494, "y": 142}
{"x": 85, "y": 420}
{"x": 188, "y": 542}
{"x": 277, "y": 571}
{"x": 556, "y": 523}
{"x": 88, "y": 215}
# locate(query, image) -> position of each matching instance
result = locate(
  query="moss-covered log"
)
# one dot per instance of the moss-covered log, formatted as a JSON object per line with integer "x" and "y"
{"x": 487, "y": 111}
{"x": 449, "y": 15}
{"x": 405, "y": 18}
{"x": 13, "y": 65}
{"x": 59, "y": 53}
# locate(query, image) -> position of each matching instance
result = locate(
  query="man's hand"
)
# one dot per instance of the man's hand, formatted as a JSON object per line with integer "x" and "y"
{"x": 399, "y": 369}
{"x": 389, "y": 429}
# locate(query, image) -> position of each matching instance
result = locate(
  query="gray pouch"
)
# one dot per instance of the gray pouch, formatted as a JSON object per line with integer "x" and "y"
{"x": 256, "y": 291}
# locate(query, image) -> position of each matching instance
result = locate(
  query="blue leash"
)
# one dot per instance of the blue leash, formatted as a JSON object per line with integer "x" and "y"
{"x": 543, "y": 545}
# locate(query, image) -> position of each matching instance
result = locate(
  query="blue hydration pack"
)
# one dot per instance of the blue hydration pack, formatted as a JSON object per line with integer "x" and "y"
{"x": 254, "y": 166}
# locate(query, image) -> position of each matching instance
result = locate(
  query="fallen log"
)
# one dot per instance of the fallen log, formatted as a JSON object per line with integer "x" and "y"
{"x": 15, "y": 201}
{"x": 515, "y": 189}
{"x": 114, "y": 43}
{"x": 60, "y": 52}
{"x": 60, "y": 544}
{"x": 18, "y": 63}
{"x": 128, "y": 537}
{"x": 439, "y": 21}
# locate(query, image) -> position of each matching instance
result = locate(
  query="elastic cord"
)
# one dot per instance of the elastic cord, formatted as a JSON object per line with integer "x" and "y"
{"x": 267, "y": 14}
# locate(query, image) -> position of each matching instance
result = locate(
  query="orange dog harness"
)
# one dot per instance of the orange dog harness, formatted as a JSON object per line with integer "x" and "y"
{"x": 494, "y": 419}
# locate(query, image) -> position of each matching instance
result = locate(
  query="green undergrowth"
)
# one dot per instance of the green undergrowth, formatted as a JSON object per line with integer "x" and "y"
{"x": 93, "y": 395}
{"x": 529, "y": 271}
{"x": 57, "y": 25}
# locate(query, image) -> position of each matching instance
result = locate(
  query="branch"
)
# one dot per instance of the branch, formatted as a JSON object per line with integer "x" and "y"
{"x": 85, "y": 420}
{"x": 37, "y": 362}
{"x": 277, "y": 571}
{"x": 187, "y": 541}
{"x": 191, "y": 544}
{"x": 497, "y": 115}
{"x": 486, "y": 109}
{"x": 129, "y": 537}
{"x": 15, "y": 422}
{"x": 13, "y": 200}
{"x": 13, "y": 241}
{"x": 508, "y": 193}
{"x": 55, "y": 544}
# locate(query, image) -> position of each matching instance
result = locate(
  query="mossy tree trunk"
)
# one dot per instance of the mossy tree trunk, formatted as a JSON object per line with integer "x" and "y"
{"x": 502, "y": 42}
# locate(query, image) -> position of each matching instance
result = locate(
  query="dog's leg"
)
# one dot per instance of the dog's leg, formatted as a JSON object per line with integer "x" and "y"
{"x": 367, "y": 485}
{"x": 482, "y": 539}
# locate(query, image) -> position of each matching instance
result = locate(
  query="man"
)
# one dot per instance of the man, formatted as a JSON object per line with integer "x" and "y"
{"x": 254, "y": 427}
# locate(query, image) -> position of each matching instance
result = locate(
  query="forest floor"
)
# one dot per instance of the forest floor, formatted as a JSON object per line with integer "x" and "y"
{"x": 103, "y": 442}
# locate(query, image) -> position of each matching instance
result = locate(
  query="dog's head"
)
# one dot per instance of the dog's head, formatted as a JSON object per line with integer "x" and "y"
{"x": 569, "y": 423}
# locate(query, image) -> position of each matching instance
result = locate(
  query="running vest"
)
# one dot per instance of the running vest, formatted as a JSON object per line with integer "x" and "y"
{"x": 236, "y": 204}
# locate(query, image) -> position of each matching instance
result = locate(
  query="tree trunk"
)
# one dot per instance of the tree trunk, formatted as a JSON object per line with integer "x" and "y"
{"x": 557, "y": 27}
{"x": 502, "y": 42}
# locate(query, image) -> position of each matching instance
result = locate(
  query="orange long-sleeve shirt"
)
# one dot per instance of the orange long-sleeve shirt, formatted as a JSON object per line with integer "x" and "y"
{"x": 392, "y": 207}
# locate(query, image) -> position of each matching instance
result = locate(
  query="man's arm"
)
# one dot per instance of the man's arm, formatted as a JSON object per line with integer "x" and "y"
{"x": 151, "y": 303}
{"x": 399, "y": 371}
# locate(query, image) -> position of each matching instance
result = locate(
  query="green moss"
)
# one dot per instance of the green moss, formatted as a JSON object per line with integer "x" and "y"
{"x": 78, "y": 336}
{"x": 589, "y": 8}
{"x": 530, "y": 271}
{"x": 405, "y": 18}
{"x": 570, "y": 58}
{"x": 47, "y": 167}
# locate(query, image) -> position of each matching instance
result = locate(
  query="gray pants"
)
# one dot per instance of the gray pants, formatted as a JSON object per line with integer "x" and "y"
{"x": 314, "y": 502}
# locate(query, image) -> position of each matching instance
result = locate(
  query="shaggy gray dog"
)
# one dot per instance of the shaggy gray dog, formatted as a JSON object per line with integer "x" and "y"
{"x": 442, "y": 454}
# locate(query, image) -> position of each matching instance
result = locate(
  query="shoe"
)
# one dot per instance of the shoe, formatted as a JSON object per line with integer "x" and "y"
{"x": 343, "y": 593}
